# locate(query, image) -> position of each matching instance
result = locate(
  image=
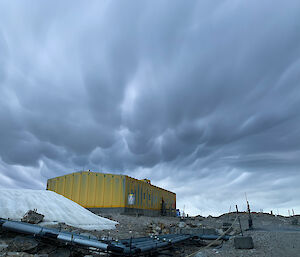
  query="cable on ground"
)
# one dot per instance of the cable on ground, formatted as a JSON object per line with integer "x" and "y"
{"x": 210, "y": 244}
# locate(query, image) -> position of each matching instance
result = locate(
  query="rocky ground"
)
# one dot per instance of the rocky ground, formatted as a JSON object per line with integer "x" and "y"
{"x": 273, "y": 236}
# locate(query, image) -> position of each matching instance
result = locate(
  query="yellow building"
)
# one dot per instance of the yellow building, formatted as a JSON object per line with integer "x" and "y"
{"x": 100, "y": 192}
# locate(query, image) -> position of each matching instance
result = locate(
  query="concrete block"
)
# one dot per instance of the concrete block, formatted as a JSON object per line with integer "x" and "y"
{"x": 243, "y": 242}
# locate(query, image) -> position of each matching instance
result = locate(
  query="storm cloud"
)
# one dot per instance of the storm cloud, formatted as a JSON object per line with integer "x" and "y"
{"x": 201, "y": 97}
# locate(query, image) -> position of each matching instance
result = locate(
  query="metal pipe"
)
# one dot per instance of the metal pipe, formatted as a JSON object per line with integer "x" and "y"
{"x": 147, "y": 246}
{"x": 22, "y": 227}
{"x": 65, "y": 237}
{"x": 153, "y": 246}
{"x": 212, "y": 237}
{"x": 169, "y": 240}
{"x": 179, "y": 239}
{"x": 129, "y": 246}
{"x": 90, "y": 243}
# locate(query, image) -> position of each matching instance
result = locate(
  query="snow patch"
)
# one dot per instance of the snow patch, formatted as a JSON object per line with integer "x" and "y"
{"x": 14, "y": 203}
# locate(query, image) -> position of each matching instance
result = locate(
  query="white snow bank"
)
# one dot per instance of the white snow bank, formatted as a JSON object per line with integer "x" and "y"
{"x": 56, "y": 208}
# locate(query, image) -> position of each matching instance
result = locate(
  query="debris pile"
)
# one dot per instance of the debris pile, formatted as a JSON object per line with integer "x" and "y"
{"x": 157, "y": 229}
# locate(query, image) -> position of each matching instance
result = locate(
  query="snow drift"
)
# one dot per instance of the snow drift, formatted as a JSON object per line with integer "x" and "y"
{"x": 56, "y": 208}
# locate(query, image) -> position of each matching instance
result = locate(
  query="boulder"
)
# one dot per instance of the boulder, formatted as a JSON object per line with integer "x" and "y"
{"x": 46, "y": 249}
{"x": 21, "y": 244}
{"x": 32, "y": 217}
{"x": 60, "y": 252}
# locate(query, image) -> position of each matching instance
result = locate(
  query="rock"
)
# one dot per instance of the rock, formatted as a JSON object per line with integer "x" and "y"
{"x": 243, "y": 242}
{"x": 60, "y": 252}
{"x": 294, "y": 221}
{"x": 165, "y": 231}
{"x": 75, "y": 231}
{"x": 46, "y": 249}
{"x": 18, "y": 254}
{"x": 3, "y": 247}
{"x": 219, "y": 231}
{"x": 157, "y": 228}
{"x": 175, "y": 230}
{"x": 181, "y": 224}
{"x": 200, "y": 254}
{"x": 32, "y": 217}
{"x": 21, "y": 244}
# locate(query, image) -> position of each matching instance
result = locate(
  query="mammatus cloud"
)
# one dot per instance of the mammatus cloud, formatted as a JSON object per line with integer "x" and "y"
{"x": 201, "y": 97}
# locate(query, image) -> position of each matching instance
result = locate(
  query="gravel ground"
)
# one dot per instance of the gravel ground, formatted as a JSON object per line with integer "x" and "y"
{"x": 272, "y": 236}
{"x": 132, "y": 226}
{"x": 266, "y": 244}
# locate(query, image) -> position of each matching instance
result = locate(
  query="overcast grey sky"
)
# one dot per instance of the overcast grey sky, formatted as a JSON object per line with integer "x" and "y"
{"x": 201, "y": 97}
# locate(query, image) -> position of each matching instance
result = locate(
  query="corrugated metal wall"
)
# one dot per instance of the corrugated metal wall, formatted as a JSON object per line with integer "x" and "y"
{"x": 91, "y": 190}
{"x": 98, "y": 190}
{"x": 148, "y": 196}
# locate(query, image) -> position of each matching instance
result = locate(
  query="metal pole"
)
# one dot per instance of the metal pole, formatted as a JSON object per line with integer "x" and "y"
{"x": 250, "y": 223}
{"x": 237, "y": 213}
